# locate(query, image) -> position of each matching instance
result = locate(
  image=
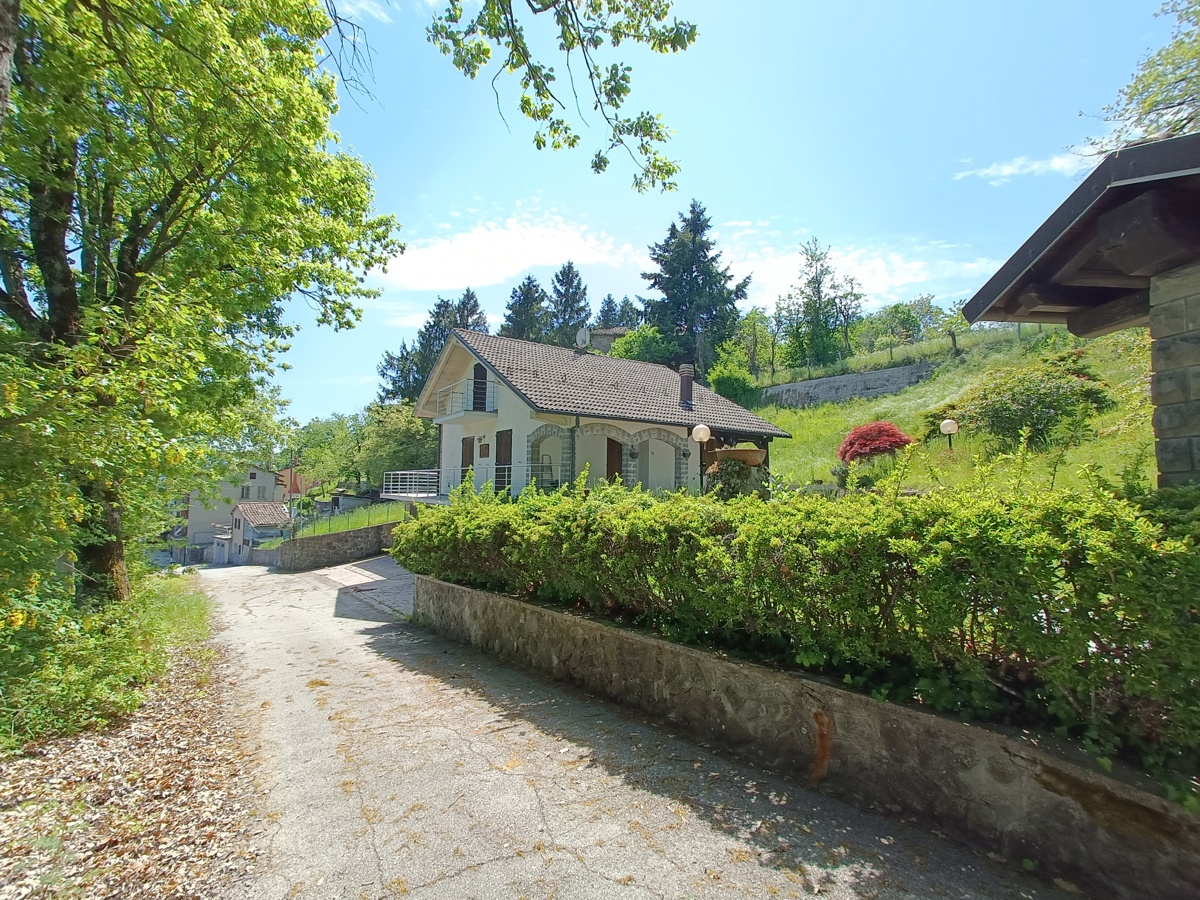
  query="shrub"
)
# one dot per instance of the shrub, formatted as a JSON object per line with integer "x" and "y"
{"x": 1035, "y": 404}
{"x": 871, "y": 440}
{"x": 1075, "y": 611}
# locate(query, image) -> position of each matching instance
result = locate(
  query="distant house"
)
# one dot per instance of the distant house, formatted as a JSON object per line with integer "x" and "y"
{"x": 205, "y": 515}
{"x": 253, "y": 523}
{"x": 516, "y": 412}
{"x": 604, "y": 338}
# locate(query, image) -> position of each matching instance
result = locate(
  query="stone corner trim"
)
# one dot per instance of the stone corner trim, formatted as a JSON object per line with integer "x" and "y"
{"x": 989, "y": 789}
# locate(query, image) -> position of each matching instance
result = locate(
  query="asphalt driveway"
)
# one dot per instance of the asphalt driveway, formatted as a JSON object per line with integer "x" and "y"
{"x": 394, "y": 763}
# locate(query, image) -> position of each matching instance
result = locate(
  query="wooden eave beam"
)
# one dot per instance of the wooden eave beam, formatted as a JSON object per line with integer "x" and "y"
{"x": 1057, "y": 298}
{"x": 1152, "y": 233}
{"x": 1128, "y": 311}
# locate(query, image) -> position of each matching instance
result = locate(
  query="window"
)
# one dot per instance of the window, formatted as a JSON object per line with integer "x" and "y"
{"x": 253, "y": 475}
{"x": 261, "y": 492}
{"x": 245, "y": 492}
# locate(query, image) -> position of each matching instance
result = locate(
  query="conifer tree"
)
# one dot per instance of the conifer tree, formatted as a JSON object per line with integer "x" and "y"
{"x": 569, "y": 308}
{"x": 527, "y": 316}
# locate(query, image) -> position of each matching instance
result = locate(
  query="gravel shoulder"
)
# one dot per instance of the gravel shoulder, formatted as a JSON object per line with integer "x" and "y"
{"x": 393, "y": 763}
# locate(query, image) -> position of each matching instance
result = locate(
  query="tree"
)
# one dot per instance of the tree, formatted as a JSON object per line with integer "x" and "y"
{"x": 814, "y": 327}
{"x": 872, "y": 440}
{"x": 847, "y": 309}
{"x": 168, "y": 181}
{"x": 609, "y": 311}
{"x": 644, "y": 343}
{"x": 1163, "y": 99}
{"x": 328, "y": 448}
{"x": 393, "y": 439}
{"x": 582, "y": 31}
{"x": 527, "y": 316}
{"x": 628, "y": 314}
{"x": 569, "y": 309}
{"x": 405, "y": 372}
{"x": 889, "y": 327}
{"x": 731, "y": 376}
{"x": 698, "y": 308}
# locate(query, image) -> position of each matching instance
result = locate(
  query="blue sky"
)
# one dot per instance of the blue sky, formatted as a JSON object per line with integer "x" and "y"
{"x": 923, "y": 141}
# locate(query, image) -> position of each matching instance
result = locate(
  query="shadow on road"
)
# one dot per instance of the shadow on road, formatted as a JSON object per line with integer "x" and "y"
{"x": 791, "y": 827}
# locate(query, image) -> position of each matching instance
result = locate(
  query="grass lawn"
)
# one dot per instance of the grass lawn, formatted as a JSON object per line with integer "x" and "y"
{"x": 1124, "y": 437}
{"x": 363, "y": 517}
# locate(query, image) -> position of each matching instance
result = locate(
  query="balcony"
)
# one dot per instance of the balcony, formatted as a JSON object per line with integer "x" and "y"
{"x": 433, "y": 485}
{"x": 467, "y": 402}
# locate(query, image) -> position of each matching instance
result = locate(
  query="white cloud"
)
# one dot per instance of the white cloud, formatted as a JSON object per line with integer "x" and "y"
{"x": 496, "y": 251}
{"x": 358, "y": 8}
{"x": 1061, "y": 164}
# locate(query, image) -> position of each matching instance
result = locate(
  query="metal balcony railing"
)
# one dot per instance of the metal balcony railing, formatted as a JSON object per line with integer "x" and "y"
{"x": 468, "y": 395}
{"x": 415, "y": 483}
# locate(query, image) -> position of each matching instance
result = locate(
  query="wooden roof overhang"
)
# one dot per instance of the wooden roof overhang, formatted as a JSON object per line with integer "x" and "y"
{"x": 1090, "y": 263}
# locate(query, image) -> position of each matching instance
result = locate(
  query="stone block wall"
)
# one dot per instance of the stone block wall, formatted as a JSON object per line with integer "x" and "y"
{"x": 323, "y": 550}
{"x": 1175, "y": 384}
{"x": 838, "y": 388}
{"x": 999, "y": 792}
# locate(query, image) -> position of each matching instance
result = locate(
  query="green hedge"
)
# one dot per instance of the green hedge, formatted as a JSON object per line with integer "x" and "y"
{"x": 1077, "y": 611}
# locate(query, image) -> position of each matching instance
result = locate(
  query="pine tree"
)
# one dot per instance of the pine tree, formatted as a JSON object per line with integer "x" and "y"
{"x": 699, "y": 305}
{"x": 628, "y": 314}
{"x": 527, "y": 316}
{"x": 405, "y": 372}
{"x": 607, "y": 317}
{"x": 569, "y": 309}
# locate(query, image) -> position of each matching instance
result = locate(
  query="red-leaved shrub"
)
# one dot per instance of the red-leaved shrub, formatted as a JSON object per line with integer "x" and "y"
{"x": 871, "y": 440}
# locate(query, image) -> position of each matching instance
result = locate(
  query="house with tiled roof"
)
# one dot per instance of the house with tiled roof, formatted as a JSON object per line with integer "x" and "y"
{"x": 516, "y": 412}
{"x": 253, "y": 523}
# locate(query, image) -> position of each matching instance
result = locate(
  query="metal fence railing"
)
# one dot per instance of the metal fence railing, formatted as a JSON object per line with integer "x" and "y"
{"x": 417, "y": 483}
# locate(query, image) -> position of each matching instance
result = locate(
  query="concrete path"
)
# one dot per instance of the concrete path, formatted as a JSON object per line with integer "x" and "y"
{"x": 398, "y": 764}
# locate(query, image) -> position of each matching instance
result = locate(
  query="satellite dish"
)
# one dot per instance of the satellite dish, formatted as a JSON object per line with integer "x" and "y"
{"x": 582, "y": 338}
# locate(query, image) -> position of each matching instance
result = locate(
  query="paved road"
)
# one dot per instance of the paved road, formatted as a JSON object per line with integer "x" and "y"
{"x": 396, "y": 764}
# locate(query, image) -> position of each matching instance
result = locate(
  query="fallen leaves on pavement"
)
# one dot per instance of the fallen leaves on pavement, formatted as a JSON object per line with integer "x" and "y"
{"x": 157, "y": 806}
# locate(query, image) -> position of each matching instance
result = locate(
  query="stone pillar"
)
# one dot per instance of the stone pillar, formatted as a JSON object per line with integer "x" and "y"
{"x": 1175, "y": 378}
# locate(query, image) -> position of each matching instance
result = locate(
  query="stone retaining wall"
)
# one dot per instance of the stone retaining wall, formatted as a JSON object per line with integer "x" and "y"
{"x": 333, "y": 549}
{"x": 838, "y": 388}
{"x": 995, "y": 791}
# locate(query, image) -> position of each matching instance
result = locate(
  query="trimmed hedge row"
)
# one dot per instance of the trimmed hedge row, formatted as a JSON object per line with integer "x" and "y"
{"x": 1073, "y": 610}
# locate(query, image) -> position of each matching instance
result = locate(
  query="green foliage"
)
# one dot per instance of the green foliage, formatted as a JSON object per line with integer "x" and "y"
{"x": 583, "y": 29}
{"x": 384, "y": 437}
{"x": 644, "y": 343}
{"x": 569, "y": 308}
{"x": 730, "y": 376}
{"x": 698, "y": 309}
{"x": 1075, "y": 610}
{"x": 819, "y": 313}
{"x": 729, "y": 478}
{"x": 1163, "y": 99}
{"x": 527, "y": 316}
{"x": 61, "y": 671}
{"x": 1035, "y": 405}
{"x": 170, "y": 181}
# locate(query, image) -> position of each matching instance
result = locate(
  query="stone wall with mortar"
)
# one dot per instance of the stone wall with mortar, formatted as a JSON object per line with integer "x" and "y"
{"x": 995, "y": 791}
{"x": 1175, "y": 385}
{"x": 321, "y": 550}
{"x": 838, "y": 388}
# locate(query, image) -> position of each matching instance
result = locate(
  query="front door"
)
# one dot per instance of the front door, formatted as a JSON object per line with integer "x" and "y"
{"x": 503, "y": 459}
{"x": 468, "y": 455}
{"x": 612, "y": 471}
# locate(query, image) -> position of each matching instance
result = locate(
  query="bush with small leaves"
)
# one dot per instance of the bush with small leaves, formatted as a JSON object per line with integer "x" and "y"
{"x": 871, "y": 440}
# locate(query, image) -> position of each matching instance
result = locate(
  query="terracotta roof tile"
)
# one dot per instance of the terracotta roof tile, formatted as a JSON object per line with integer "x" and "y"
{"x": 571, "y": 382}
{"x": 263, "y": 512}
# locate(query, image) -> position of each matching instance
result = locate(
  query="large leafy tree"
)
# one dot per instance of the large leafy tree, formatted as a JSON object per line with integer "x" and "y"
{"x": 698, "y": 309}
{"x": 405, "y": 372}
{"x": 569, "y": 308}
{"x": 528, "y": 314}
{"x": 167, "y": 180}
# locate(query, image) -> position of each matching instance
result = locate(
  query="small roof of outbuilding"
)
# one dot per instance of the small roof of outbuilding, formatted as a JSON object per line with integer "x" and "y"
{"x": 572, "y": 382}
{"x": 263, "y": 512}
{"x": 1090, "y": 263}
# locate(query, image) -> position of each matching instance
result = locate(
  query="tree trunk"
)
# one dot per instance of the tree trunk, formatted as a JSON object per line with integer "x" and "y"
{"x": 10, "y": 17}
{"x": 101, "y": 560}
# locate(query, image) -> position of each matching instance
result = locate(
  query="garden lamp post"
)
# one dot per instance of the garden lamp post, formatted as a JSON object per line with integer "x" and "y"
{"x": 949, "y": 428}
{"x": 700, "y": 434}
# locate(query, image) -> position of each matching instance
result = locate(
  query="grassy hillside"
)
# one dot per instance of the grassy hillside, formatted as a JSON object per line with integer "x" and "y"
{"x": 1123, "y": 437}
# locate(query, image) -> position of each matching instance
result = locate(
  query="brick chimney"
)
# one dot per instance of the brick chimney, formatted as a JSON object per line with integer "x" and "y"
{"x": 687, "y": 372}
